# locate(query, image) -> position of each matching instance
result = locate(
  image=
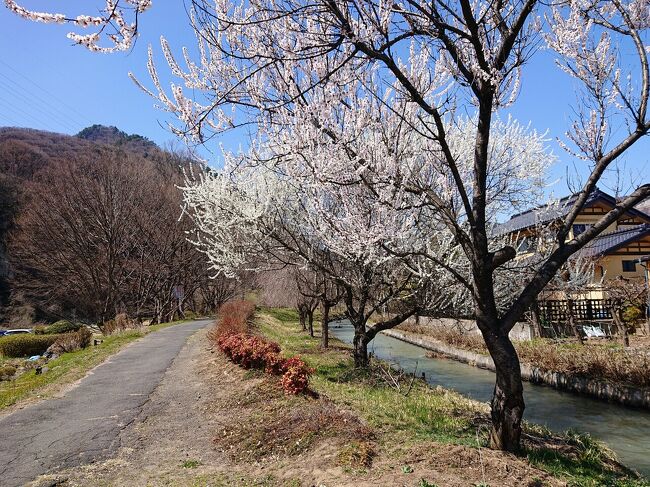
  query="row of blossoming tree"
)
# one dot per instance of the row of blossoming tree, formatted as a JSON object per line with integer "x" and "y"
{"x": 378, "y": 155}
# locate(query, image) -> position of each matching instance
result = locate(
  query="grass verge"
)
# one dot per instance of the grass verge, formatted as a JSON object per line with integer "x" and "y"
{"x": 68, "y": 368}
{"x": 418, "y": 413}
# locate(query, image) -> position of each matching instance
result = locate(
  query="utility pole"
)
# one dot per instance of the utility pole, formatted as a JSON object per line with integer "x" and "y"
{"x": 643, "y": 261}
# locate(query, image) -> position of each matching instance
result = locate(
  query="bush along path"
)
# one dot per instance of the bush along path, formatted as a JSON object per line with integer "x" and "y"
{"x": 82, "y": 425}
{"x": 231, "y": 335}
{"x": 251, "y": 352}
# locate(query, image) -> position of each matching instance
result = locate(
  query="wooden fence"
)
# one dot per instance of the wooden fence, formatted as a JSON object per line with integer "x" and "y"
{"x": 557, "y": 311}
{"x": 554, "y": 316}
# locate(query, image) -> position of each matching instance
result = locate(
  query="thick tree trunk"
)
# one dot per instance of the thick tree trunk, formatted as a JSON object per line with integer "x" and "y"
{"x": 360, "y": 343}
{"x": 508, "y": 399}
{"x": 325, "y": 326}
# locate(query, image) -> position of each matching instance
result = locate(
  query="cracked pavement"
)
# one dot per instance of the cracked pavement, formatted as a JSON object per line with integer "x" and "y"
{"x": 84, "y": 425}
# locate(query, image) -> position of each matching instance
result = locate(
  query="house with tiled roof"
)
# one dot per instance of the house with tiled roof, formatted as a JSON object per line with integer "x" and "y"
{"x": 614, "y": 251}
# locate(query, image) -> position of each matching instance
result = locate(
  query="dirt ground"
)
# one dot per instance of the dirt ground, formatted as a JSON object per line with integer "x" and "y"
{"x": 212, "y": 423}
{"x": 640, "y": 342}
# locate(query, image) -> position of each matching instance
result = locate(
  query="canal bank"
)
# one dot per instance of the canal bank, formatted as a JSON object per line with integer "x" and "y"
{"x": 625, "y": 430}
{"x": 625, "y": 395}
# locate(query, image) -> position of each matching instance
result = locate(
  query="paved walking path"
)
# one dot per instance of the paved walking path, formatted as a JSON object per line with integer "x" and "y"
{"x": 83, "y": 425}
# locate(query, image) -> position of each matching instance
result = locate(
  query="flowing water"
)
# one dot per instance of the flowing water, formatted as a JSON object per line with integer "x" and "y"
{"x": 625, "y": 430}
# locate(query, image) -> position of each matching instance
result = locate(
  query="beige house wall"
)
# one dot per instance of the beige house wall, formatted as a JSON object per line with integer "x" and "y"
{"x": 613, "y": 267}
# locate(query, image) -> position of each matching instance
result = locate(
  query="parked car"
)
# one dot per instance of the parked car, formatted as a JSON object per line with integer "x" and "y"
{"x": 18, "y": 331}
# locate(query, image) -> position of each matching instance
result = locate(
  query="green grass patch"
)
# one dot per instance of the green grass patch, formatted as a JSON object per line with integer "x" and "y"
{"x": 282, "y": 314}
{"x": 589, "y": 465}
{"x": 68, "y": 368}
{"x": 428, "y": 413}
{"x": 423, "y": 414}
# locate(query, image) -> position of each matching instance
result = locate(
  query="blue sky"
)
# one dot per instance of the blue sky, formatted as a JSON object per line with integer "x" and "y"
{"x": 49, "y": 84}
{"x": 46, "y": 83}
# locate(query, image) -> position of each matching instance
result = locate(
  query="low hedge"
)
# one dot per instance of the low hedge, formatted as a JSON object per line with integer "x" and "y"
{"x": 62, "y": 326}
{"x": 25, "y": 344}
{"x": 253, "y": 352}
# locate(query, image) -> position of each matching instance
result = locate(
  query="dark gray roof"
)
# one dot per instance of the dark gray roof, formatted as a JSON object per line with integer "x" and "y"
{"x": 608, "y": 242}
{"x": 546, "y": 213}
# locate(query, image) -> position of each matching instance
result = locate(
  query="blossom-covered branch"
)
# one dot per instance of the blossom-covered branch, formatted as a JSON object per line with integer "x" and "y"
{"x": 116, "y": 22}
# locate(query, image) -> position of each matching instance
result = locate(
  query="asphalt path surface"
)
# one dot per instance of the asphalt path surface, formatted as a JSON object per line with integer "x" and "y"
{"x": 84, "y": 425}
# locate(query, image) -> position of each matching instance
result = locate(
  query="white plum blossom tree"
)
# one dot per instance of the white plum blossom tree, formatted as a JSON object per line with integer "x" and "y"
{"x": 252, "y": 216}
{"x": 403, "y": 96}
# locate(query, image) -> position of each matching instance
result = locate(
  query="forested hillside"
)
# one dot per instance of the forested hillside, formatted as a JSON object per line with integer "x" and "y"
{"x": 114, "y": 136}
{"x": 89, "y": 228}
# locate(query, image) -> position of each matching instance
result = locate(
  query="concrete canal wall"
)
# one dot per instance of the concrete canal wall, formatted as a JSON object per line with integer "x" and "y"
{"x": 520, "y": 332}
{"x": 626, "y": 395}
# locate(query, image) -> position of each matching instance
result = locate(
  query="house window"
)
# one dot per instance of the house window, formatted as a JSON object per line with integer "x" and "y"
{"x": 629, "y": 266}
{"x": 579, "y": 228}
{"x": 527, "y": 244}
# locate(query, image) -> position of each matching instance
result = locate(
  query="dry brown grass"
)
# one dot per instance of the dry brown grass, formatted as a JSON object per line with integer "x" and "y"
{"x": 233, "y": 317}
{"x": 278, "y": 426}
{"x": 594, "y": 361}
{"x": 69, "y": 342}
{"x": 120, "y": 323}
{"x": 602, "y": 360}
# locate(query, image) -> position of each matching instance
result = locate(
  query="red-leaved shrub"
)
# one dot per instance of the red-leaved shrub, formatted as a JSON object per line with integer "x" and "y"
{"x": 275, "y": 364}
{"x": 249, "y": 351}
{"x": 296, "y": 376}
{"x": 233, "y": 317}
{"x": 253, "y": 352}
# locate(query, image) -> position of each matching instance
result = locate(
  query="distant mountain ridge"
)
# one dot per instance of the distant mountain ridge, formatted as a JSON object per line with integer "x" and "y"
{"x": 111, "y": 135}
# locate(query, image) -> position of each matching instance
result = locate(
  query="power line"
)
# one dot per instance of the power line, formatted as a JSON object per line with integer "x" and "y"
{"x": 29, "y": 100}
{"x": 38, "y": 120}
{"x": 30, "y": 96}
{"x": 48, "y": 93}
{"x": 10, "y": 120}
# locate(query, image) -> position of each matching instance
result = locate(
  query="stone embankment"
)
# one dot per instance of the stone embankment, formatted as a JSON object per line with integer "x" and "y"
{"x": 622, "y": 394}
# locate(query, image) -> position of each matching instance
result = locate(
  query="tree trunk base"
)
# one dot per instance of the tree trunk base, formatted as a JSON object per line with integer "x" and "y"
{"x": 325, "y": 327}
{"x": 360, "y": 353}
{"x": 506, "y": 422}
{"x": 508, "y": 398}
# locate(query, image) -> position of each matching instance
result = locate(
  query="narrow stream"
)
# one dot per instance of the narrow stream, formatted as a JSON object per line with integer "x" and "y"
{"x": 625, "y": 430}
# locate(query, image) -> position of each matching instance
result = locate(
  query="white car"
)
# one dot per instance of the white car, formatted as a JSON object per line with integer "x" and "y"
{"x": 18, "y": 331}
